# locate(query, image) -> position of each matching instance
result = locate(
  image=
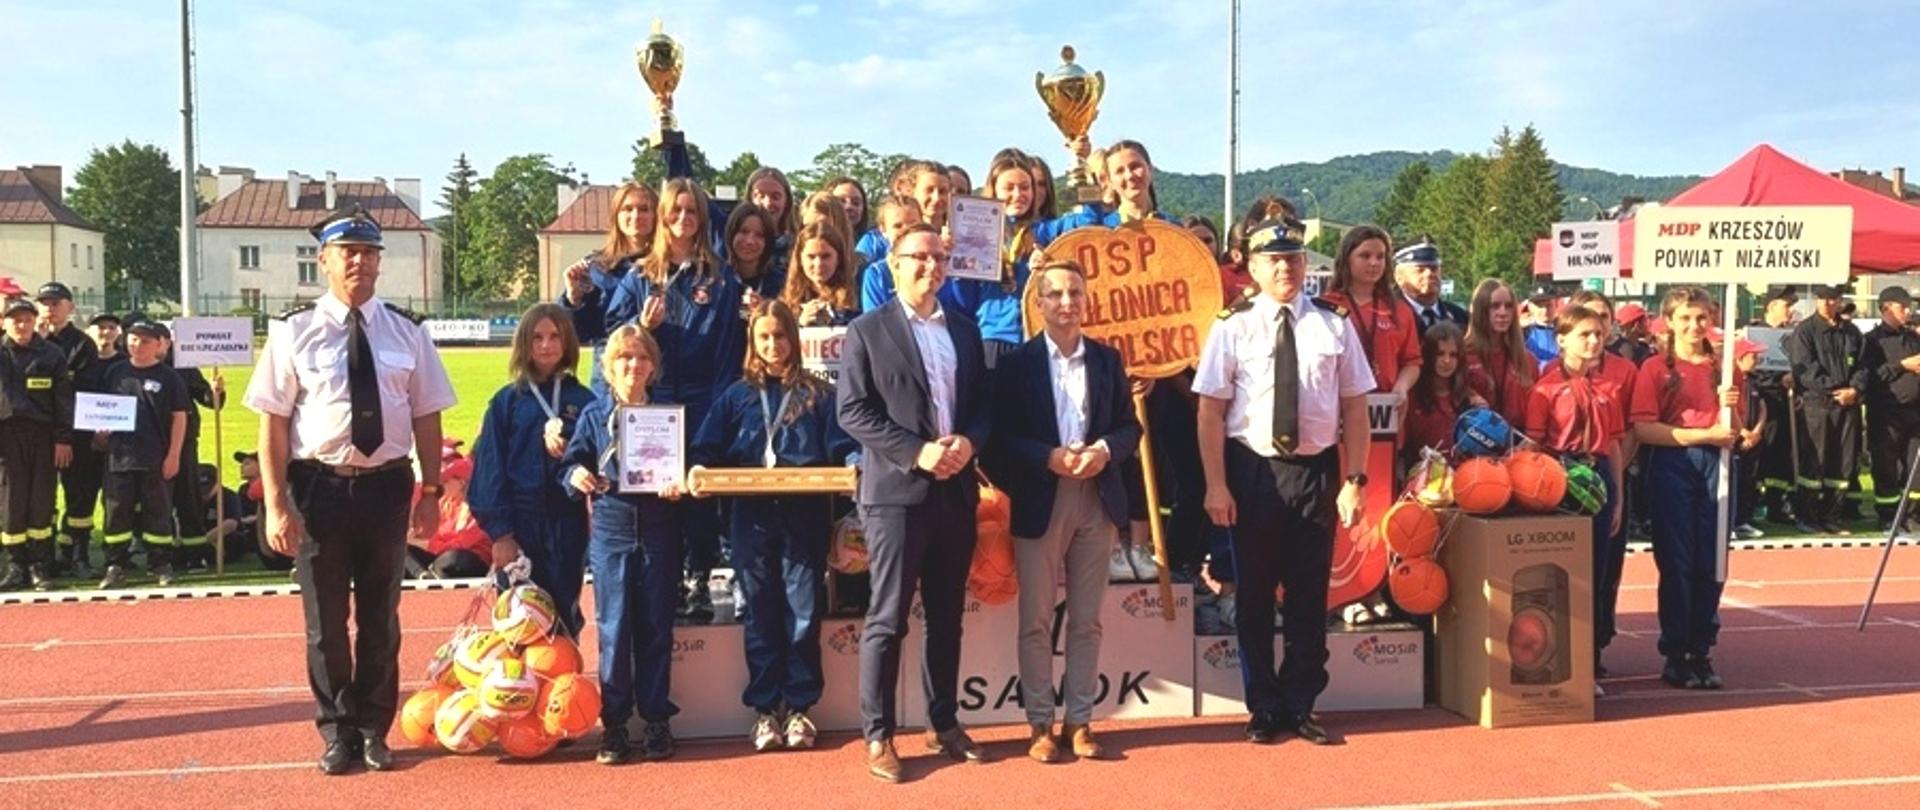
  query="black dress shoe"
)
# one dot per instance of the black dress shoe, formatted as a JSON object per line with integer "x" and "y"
{"x": 337, "y": 758}
{"x": 378, "y": 756}
{"x": 1262, "y": 730}
{"x": 1312, "y": 733}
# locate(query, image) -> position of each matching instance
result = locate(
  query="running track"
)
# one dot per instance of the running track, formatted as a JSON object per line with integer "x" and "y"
{"x": 204, "y": 703}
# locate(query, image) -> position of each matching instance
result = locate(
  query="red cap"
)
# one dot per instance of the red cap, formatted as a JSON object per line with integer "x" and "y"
{"x": 461, "y": 468}
{"x": 1744, "y": 346}
{"x": 1628, "y": 313}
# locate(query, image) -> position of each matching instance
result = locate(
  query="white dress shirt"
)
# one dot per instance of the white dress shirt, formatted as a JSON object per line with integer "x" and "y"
{"x": 1069, "y": 375}
{"x": 939, "y": 361}
{"x": 1237, "y": 365}
{"x": 302, "y": 374}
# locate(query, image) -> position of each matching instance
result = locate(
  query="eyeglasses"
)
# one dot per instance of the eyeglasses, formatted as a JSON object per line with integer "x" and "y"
{"x": 925, "y": 257}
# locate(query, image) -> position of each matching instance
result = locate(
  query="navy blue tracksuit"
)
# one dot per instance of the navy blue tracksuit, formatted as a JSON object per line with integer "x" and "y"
{"x": 635, "y": 554}
{"x": 517, "y": 490}
{"x": 779, "y": 543}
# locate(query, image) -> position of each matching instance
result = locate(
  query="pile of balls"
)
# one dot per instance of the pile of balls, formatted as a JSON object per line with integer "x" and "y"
{"x": 514, "y": 681}
{"x": 991, "y": 578}
{"x": 1495, "y": 474}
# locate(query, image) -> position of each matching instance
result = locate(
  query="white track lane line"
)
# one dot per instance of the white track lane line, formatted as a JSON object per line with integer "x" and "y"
{"x": 1652, "y": 795}
{"x": 150, "y": 773}
{"x": 1818, "y": 691}
{"x": 1636, "y": 795}
{"x": 1768, "y": 612}
{"x": 39, "y": 646}
{"x": 183, "y": 694}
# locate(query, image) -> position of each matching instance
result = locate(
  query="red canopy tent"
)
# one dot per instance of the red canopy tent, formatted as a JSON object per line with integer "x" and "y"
{"x": 1886, "y": 231}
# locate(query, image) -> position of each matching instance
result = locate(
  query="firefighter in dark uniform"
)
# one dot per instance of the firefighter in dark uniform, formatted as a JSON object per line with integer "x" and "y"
{"x": 1775, "y": 391}
{"x": 56, "y": 316}
{"x": 1824, "y": 351}
{"x": 1279, "y": 375}
{"x": 36, "y": 420}
{"x": 346, "y": 387}
{"x": 1891, "y": 359}
{"x": 189, "y": 522}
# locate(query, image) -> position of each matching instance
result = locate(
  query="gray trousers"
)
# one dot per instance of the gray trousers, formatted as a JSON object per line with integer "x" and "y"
{"x": 1078, "y": 542}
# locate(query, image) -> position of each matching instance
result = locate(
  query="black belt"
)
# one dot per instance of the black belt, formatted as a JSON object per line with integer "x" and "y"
{"x": 346, "y": 471}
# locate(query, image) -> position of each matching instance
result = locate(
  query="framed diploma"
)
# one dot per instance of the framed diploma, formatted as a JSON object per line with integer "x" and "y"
{"x": 979, "y": 227}
{"x": 652, "y": 442}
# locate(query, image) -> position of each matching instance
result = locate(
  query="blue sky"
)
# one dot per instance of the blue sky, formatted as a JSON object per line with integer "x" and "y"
{"x": 397, "y": 89}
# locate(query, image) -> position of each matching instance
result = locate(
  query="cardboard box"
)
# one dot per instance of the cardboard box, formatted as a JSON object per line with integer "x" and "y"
{"x": 1146, "y": 662}
{"x": 1368, "y": 668}
{"x": 1515, "y": 639}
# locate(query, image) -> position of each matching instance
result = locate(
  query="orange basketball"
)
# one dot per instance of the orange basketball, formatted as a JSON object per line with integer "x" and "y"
{"x": 991, "y": 579}
{"x": 416, "y": 718}
{"x": 993, "y": 505}
{"x": 527, "y": 738}
{"x": 572, "y": 706}
{"x": 1418, "y": 585}
{"x": 552, "y": 658}
{"x": 1410, "y": 529}
{"x": 1539, "y": 482}
{"x": 1481, "y": 486}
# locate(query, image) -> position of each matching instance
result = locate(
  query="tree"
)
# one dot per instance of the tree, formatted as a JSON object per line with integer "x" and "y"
{"x": 737, "y": 172}
{"x": 509, "y": 209}
{"x": 456, "y": 228}
{"x": 650, "y": 165}
{"x": 1395, "y": 213}
{"x": 851, "y": 160}
{"x": 1451, "y": 206}
{"x": 1523, "y": 188}
{"x": 132, "y": 192}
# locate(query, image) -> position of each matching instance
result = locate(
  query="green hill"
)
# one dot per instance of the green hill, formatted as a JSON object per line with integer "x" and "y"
{"x": 1348, "y": 188}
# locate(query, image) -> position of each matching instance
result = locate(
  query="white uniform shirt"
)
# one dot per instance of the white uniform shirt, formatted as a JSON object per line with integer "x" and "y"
{"x": 1237, "y": 365}
{"x": 302, "y": 374}
{"x": 1069, "y": 374}
{"x": 937, "y": 358}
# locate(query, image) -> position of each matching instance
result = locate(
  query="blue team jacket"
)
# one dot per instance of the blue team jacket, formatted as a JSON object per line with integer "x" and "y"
{"x": 514, "y": 486}
{"x": 604, "y": 305}
{"x": 702, "y": 339}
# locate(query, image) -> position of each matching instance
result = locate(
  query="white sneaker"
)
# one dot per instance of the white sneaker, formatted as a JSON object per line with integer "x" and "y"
{"x": 1140, "y": 557}
{"x": 800, "y": 731}
{"x": 1120, "y": 567}
{"x": 1356, "y": 614}
{"x": 1748, "y": 531}
{"x": 1598, "y": 691}
{"x": 766, "y": 733}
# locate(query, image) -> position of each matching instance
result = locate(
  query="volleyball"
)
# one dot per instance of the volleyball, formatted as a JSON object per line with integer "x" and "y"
{"x": 1481, "y": 432}
{"x": 1586, "y": 493}
{"x": 1539, "y": 482}
{"x": 523, "y": 614}
{"x": 476, "y": 656}
{"x": 1418, "y": 585}
{"x": 459, "y": 725}
{"x": 508, "y": 691}
{"x": 848, "y": 554}
{"x": 527, "y": 738}
{"x": 1410, "y": 529}
{"x": 1481, "y": 486}
{"x": 416, "y": 717}
{"x": 440, "y": 668}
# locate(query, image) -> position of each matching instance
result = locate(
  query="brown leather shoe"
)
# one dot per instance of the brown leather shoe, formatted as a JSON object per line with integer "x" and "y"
{"x": 1084, "y": 745}
{"x": 1042, "y": 748}
{"x": 883, "y": 762}
{"x": 955, "y": 743}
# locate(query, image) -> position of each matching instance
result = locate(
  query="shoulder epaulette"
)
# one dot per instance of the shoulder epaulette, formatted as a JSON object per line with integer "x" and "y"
{"x": 404, "y": 312}
{"x": 1330, "y": 306}
{"x": 1242, "y": 304}
{"x": 294, "y": 310}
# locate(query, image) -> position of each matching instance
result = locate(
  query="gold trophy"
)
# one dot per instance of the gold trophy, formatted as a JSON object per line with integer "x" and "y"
{"x": 1072, "y": 96}
{"x": 661, "y": 61}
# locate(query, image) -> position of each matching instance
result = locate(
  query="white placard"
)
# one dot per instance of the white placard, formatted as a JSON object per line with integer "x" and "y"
{"x": 1146, "y": 662}
{"x": 1384, "y": 411}
{"x": 1367, "y": 669}
{"x": 212, "y": 342}
{"x": 1686, "y": 244}
{"x": 653, "y": 447}
{"x": 820, "y": 350}
{"x": 460, "y": 331}
{"x": 1775, "y": 358}
{"x": 979, "y": 227}
{"x": 109, "y": 412}
{"x": 1583, "y": 250}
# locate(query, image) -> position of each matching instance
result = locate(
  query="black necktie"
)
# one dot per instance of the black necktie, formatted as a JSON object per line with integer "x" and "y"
{"x": 1286, "y": 388}
{"x": 363, "y": 381}
{"x": 1428, "y": 317}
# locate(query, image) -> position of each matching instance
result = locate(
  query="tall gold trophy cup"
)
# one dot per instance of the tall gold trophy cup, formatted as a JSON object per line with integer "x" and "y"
{"x": 1072, "y": 96}
{"x": 661, "y": 61}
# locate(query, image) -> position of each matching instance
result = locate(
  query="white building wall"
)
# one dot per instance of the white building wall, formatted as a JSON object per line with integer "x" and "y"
{"x": 410, "y": 273}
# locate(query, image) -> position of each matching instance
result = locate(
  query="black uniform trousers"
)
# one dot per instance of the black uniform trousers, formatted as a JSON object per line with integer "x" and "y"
{"x": 1775, "y": 452}
{"x": 189, "y": 506}
{"x": 27, "y": 482}
{"x": 927, "y": 546}
{"x": 1893, "y": 434}
{"x": 1283, "y": 536}
{"x": 1829, "y": 457}
{"x": 354, "y": 554}
{"x": 81, "y": 482}
{"x": 136, "y": 500}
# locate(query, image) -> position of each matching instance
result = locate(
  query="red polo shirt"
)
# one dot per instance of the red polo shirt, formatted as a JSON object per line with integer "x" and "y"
{"x": 1493, "y": 378}
{"x": 1693, "y": 403}
{"x": 1580, "y": 414}
{"x": 1388, "y": 330}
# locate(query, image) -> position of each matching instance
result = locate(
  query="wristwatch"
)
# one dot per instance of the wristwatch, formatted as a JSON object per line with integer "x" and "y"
{"x": 433, "y": 490}
{"x": 1357, "y": 479}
